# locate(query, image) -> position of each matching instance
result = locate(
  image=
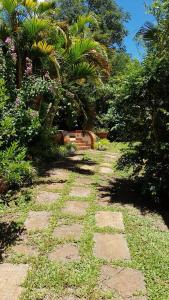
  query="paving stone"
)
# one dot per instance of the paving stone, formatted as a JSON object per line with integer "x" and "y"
{"x": 83, "y": 181}
{"x": 68, "y": 231}
{"x": 11, "y": 279}
{"x": 37, "y": 220}
{"x": 105, "y": 170}
{"x": 77, "y": 208}
{"x": 126, "y": 282}
{"x": 87, "y": 168}
{"x": 106, "y": 164}
{"x": 80, "y": 192}
{"x": 137, "y": 298}
{"x": 76, "y": 158}
{"x": 104, "y": 201}
{"x": 65, "y": 253}
{"x": 111, "y": 157}
{"x": 70, "y": 297}
{"x": 111, "y": 246}
{"x": 53, "y": 186}
{"x": 110, "y": 219}
{"x": 59, "y": 173}
{"x": 25, "y": 250}
{"x": 47, "y": 197}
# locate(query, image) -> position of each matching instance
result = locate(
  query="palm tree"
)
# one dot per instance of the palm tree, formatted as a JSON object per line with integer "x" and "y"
{"x": 148, "y": 34}
{"x": 69, "y": 52}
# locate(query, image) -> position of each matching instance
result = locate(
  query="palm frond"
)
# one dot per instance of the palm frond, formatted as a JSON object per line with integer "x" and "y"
{"x": 54, "y": 61}
{"x": 79, "y": 48}
{"x": 83, "y": 70}
{"x": 82, "y": 23}
{"x": 9, "y": 5}
{"x": 45, "y": 6}
{"x": 147, "y": 33}
{"x": 43, "y": 47}
{"x": 33, "y": 26}
{"x": 61, "y": 37}
{"x": 30, "y": 4}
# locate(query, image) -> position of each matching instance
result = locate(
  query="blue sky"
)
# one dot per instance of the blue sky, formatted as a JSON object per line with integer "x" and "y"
{"x": 139, "y": 16}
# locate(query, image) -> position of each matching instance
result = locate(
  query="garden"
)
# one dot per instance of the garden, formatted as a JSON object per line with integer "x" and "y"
{"x": 85, "y": 224}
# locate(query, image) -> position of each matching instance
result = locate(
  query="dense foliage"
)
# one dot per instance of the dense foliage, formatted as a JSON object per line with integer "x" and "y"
{"x": 51, "y": 69}
{"x": 139, "y": 108}
{"x": 63, "y": 65}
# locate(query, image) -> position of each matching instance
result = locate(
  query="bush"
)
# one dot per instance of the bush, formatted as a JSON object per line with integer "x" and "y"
{"x": 102, "y": 144}
{"x": 15, "y": 170}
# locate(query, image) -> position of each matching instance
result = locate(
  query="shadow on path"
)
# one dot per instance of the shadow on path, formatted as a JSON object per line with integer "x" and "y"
{"x": 124, "y": 191}
{"x": 10, "y": 232}
{"x": 67, "y": 165}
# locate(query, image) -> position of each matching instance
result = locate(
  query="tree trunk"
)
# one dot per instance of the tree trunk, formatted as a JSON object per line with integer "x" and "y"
{"x": 53, "y": 109}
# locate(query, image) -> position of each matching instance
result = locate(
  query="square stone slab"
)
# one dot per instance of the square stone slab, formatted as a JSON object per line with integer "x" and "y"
{"x": 68, "y": 231}
{"x": 51, "y": 186}
{"x": 80, "y": 192}
{"x": 76, "y": 208}
{"x": 109, "y": 219}
{"x": 70, "y": 297}
{"x": 61, "y": 174}
{"x": 106, "y": 164}
{"x": 25, "y": 250}
{"x": 87, "y": 168}
{"x": 76, "y": 158}
{"x": 126, "y": 282}
{"x": 105, "y": 170}
{"x": 83, "y": 181}
{"x": 37, "y": 220}
{"x": 47, "y": 197}
{"x": 11, "y": 279}
{"x": 111, "y": 246}
{"x": 65, "y": 253}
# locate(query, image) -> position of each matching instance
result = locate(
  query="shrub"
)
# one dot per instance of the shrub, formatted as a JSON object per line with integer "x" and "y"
{"x": 15, "y": 170}
{"x": 71, "y": 147}
{"x": 102, "y": 144}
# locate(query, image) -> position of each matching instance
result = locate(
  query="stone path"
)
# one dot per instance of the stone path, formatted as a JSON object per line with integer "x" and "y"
{"x": 111, "y": 246}
{"x": 47, "y": 197}
{"x": 11, "y": 279}
{"x": 37, "y": 220}
{"x": 109, "y": 243}
{"x": 110, "y": 219}
{"x": 126, "y": 282}
{"x": 75, "y": 208}
{"x": 65, "y": 253}
{"x": 73, "y": 231}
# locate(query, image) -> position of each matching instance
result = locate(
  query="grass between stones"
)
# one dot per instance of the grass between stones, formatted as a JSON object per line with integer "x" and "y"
{"x": 149, "y": 246}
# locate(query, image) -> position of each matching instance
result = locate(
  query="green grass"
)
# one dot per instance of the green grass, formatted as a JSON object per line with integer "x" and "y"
{"x": 148, "y": 245}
